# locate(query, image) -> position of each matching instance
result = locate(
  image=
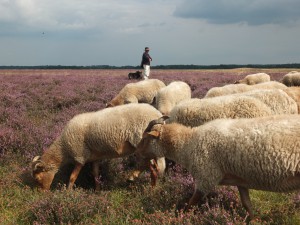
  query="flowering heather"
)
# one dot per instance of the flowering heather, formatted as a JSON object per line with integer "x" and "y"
{"x": 35, "y": 105}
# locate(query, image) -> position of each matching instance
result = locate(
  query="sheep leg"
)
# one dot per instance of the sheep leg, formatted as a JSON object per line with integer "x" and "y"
{"x": 244, "y": 193}
{"x": 153, "y": 172}
{"x": 197, "y": 197}
{"x": 74, "y": 174}
{"x": 96, "y": 174}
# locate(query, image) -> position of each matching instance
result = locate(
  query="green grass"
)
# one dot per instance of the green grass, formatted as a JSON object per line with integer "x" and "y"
{"x": 118, "y": 203}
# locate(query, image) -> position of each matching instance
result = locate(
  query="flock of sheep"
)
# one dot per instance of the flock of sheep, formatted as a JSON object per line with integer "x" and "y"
{"x": 245, "y": 134}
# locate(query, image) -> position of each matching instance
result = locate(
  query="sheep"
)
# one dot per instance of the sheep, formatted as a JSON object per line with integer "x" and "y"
{"x": 195, "y": 112}
{"x": 91, "y": 137}
{"x": 227, "y": 90}
{"x": 238, "y": 88}
{"x": 291, "y": 79}
{"x": 139, "y": 92}
{"x": 169, "y": 96}
{"x": 256, "y": 78}
{"x": 136, "y": 75}
{"x": 258, "y": 153}
{"x": 256, "y": 103}
{"x": 279, "y": 101}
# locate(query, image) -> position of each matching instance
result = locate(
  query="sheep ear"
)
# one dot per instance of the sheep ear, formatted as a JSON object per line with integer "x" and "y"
{"x": 154, "y": 133}
{"x": 39, "y": 167}
{"x": 164, "y": 118}
{"x": 108, "y": 105}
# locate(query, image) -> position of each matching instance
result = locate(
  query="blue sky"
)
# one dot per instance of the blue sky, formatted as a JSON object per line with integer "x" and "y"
{"x": 115, "y": 32}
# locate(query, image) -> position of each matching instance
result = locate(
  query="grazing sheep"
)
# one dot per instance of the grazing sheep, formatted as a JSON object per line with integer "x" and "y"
{"x": 195, "y": 112}
{"x": 137, "y": 75}
{"x": 256, "y": 78}
{"x": 291, "y": 79}
{"x": 227, "y": 90}
{"x": 258, "y": 153}
{"x": 256, "y": 103}
{"x": 278, "y": 100}
{"x": 238, "y": 88}
{"x": 139, "y": 92}
{"x": 169, "y": 96}
{"x": 90, "y": 137}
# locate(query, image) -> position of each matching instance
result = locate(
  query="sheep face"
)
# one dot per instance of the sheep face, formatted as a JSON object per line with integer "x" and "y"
{"x": 148, "y": 150}
{"x": 149, "y": 147}
{"x": 108, "y": 105}
{"x": 42, "y": 173}
{"x": 114, "y": 102}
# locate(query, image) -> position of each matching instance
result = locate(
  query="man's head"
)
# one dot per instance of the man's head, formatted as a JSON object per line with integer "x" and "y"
{"x": 147, "y": 49}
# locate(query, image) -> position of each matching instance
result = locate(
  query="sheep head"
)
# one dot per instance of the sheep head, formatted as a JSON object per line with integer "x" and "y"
{"x": 161, "y": 120}
{"x": 148, "y": 146}
{"x": 115, "y": 102}
{"x": 108, "y": 105}
{"x": 42, "y": 173}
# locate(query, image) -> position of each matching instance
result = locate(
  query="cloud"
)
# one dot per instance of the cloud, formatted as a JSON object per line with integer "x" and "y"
{"x": 252, "y": 12}
{"x": 89, "y": 18}
{"x": 115, "y": 32}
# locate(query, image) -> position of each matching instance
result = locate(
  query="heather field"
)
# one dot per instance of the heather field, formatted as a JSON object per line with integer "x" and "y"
{"x": 34, "y": 107}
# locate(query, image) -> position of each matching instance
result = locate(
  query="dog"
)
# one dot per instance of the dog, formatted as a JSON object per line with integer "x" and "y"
{"x": 137, "y": 75}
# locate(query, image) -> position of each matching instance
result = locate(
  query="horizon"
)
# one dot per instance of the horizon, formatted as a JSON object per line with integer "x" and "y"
{"x": 286, "y": 65}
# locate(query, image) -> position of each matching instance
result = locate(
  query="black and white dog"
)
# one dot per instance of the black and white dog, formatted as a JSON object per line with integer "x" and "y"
{"x": 137, "y": 75}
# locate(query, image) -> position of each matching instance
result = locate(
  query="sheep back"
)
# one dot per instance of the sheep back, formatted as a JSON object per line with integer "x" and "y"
{"x": 264, "y": 154}
{"x": 291, "y": 79}
{"x": 195, "y": 112}
{"x": 139, "y": 92}
{"x": 227, "y": 89}
{"x": 256, "y": 78}
{"x": 238, "y": 88}
{"x": 278, "y": 100}
{"x": 97, "y": 135}
{"x": 269, "y": 85}
{"x": 169, "y": 96}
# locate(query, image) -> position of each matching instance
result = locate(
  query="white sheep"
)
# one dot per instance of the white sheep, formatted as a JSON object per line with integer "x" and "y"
{"x": 256, "y": 103}
{"x": 195, "y": 112}
{"x": 169, "y": 96}
{"x": 238, "y": 88}
{"x": 258, "y": 153}
{"x": 90, "y": 137}
{"x": 291, "y": 79}
{"x": 139, "y": 92}
{"x": 256, "y": 78}
{"x": 279, "y": 101}
{"x": 227, "y": 90}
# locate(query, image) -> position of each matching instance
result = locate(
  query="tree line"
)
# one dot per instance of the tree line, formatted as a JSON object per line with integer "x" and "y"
{"x": 220, "y": 66}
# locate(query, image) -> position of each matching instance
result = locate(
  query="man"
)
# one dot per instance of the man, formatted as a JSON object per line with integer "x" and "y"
{"x": 146, "y": 63}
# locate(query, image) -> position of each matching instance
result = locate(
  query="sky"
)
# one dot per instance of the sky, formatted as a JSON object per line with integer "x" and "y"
{"x": 115, "y": 32}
